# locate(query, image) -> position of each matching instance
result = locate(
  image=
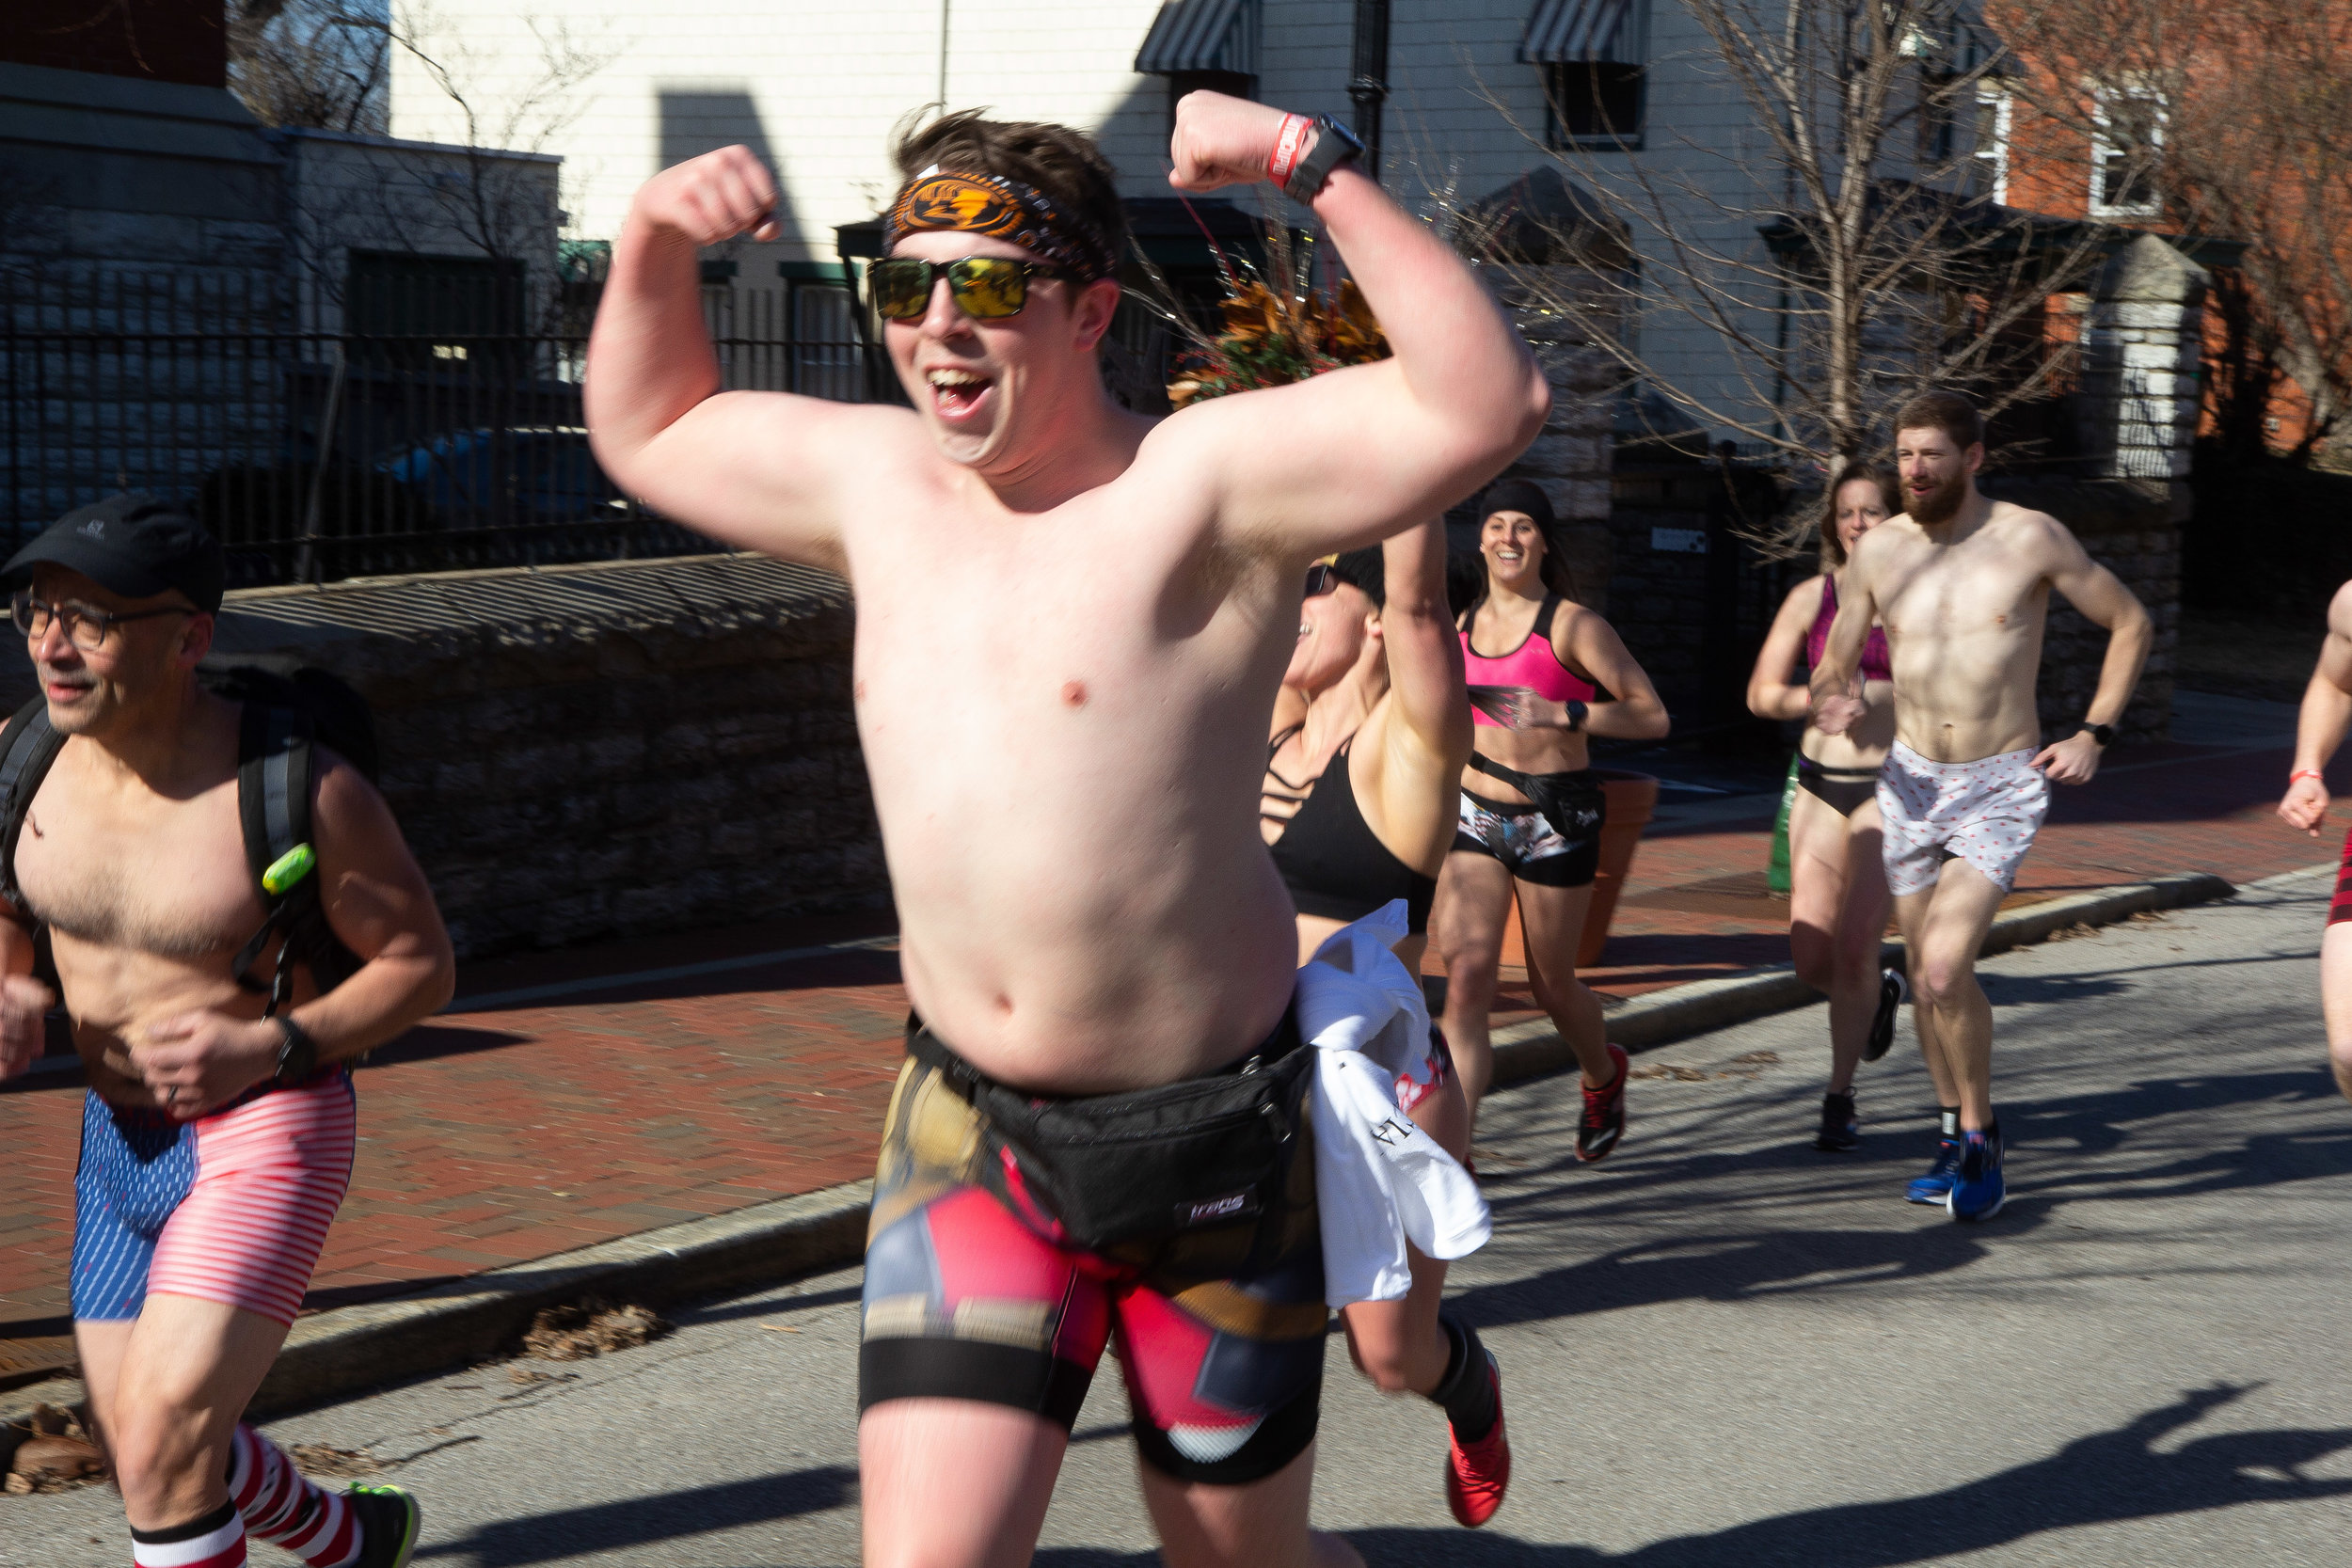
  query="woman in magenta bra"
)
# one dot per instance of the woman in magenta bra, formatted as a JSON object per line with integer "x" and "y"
{"x": 1531, "y": 811}
{"x": 1838, "y": 901}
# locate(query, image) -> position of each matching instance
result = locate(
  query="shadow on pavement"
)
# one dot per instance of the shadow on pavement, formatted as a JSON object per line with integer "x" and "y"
{"x": 2105, "y": 1477}
{"x": 1737, "y": 1267}
{"x": 427, "y": 1041}
{"x": 641, "y": 1521}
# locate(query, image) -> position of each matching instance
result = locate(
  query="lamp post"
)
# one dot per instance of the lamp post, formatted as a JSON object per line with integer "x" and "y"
{"x": 1369, "y": 84}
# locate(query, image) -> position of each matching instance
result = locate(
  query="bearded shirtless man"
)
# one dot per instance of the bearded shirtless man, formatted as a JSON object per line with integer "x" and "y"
{"x": 1071, "y": 623}
{"x": 217, "y": 1142}
{"x": 1961, "y": 584}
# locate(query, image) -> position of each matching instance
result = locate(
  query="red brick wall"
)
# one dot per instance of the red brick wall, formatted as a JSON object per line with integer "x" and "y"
{"x": 159, "y": 41}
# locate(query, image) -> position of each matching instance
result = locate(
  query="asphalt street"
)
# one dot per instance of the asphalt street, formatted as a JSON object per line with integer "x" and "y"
{"x": 1719, "y": 1348}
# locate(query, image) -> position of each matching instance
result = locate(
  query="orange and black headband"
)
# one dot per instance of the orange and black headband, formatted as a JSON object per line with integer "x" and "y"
{"x": 1003, "y": 210}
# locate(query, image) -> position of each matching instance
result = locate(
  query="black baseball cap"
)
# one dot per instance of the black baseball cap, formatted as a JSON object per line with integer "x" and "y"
{"x": 134, "y": 545}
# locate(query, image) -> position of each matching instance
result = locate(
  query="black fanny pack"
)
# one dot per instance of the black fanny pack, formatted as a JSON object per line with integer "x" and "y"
{"x": 1574, "y": 803}
{"x": 1149, "y": 1163}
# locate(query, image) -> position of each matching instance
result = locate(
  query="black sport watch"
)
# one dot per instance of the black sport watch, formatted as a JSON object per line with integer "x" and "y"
{"x": 1335, "y": 144}
{"x": 297, "y": 1055}
{"x": 2103, "y": 734}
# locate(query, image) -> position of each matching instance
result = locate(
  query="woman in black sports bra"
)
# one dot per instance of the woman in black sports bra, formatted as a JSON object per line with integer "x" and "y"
{"x": 1838, "y": 901}
{"x": 1370, "y": 734}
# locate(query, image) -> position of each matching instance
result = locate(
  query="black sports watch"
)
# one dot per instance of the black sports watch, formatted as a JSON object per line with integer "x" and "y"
{"x": 2102, "y": 734}
{"x": 1576, "y": 715}
{"x": 297, "y": 1054}
{"x": 1335, "y": 144}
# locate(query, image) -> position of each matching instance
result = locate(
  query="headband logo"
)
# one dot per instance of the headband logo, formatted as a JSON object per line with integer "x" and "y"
{"x": 951, "y": 201}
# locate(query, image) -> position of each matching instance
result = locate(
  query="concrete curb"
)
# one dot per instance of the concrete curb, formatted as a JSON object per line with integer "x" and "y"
{"x": 1534, "y": 1048}
{"x": 350, "y": 1348}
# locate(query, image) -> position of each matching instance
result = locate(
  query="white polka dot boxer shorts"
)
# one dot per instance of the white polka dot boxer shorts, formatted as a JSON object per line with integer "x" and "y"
{"x": 1984, "y": 812}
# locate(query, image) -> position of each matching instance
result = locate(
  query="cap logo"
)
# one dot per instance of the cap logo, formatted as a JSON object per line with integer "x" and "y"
{"x": 95, "y": 529}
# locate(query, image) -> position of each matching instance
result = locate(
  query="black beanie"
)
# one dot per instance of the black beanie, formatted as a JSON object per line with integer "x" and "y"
{"x": 1519, "y": 495}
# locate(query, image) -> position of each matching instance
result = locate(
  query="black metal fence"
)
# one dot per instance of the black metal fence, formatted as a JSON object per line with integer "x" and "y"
{"x": 324, "y": 439}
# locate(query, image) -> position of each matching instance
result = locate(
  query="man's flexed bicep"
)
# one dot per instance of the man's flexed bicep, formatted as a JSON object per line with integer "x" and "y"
{"x": 758, "y": 469}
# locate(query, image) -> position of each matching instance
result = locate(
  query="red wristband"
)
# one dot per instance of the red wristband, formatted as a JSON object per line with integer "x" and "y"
{"x": 2301, "y": 773}
{"x": 1288, "y": 145}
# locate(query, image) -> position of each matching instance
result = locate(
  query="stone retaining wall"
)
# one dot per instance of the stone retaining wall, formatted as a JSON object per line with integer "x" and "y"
{"x": 599, "y": 751}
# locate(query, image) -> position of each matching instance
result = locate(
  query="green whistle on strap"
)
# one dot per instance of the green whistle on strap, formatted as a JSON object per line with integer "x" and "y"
{"x": 289, "y": 869}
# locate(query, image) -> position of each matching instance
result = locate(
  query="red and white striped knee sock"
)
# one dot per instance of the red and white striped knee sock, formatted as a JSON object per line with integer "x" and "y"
{"x": 216, "y": 1541}
{"x": 285, "y": 1508}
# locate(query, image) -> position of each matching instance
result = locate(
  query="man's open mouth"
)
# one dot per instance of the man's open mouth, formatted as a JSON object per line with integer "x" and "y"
{"x": 957, "y": 395}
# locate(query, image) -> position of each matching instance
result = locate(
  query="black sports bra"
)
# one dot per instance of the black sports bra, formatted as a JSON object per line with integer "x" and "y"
{"x": 1335, "y": 867}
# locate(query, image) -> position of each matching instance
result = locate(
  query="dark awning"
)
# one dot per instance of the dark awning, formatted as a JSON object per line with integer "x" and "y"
{"x": 1560, "y": 32}
{"x": 1200, "y": 35}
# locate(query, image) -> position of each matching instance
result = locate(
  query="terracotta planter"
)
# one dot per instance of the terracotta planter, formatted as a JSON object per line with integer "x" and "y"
{"x": 1632, "y": 797}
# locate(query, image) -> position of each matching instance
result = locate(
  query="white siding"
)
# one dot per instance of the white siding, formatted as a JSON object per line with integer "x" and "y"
{"x": 817, "y": 89}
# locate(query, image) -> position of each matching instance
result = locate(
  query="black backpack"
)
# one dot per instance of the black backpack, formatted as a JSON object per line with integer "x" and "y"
{"x": 289, "y": 709}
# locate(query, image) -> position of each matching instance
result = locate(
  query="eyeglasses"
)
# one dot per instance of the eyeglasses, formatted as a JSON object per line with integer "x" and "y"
{"x": 85, "y": 627}
{"x": 988, "y": 287}
{"x": 1321, "y": 577}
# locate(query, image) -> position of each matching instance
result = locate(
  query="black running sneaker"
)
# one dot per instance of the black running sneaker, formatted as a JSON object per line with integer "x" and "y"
{"x": 1604, "y": 1113}
{"x": 1841, "y": 1130}
{"x": 1891, "y": 993}
{"x": 388, "y": 1519}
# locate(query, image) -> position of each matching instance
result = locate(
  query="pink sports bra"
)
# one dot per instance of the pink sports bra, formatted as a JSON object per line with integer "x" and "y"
{"x": 1530, "y": 664}
{"x": 1876, "y": 665}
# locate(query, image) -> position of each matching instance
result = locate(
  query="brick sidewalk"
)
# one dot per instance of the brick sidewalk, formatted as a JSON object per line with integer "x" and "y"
{"x": 503, "y": 1133}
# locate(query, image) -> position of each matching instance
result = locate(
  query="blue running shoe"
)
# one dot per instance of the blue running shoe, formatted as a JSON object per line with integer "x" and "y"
{"x": 1977, "y": 1190}
{"x": 1936, "y": 1186}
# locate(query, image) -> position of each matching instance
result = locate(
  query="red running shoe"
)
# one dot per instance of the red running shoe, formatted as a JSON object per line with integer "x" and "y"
{"x": 1604, "y": 1113}
{"x": 1476, "y": 1475}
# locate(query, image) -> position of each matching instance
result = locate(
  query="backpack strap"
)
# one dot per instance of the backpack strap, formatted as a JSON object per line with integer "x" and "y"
{"x": 27, "y": 750}
{"x": 276, "y": 754}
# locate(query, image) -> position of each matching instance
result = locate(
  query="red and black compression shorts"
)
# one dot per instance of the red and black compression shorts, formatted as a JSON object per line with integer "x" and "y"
{"x": 1220, "y": 1330}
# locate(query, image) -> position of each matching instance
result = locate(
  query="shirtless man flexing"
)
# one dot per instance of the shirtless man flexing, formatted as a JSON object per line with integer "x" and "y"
{"x": 1961, "y": 584}
{"x": 1072, "y": 621}
{"x": 217, "y": 1142}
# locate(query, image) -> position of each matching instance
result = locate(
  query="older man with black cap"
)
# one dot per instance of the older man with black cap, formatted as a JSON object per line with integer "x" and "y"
{"x": 1531, "y": 809}
{"x": 217, "y": 1133}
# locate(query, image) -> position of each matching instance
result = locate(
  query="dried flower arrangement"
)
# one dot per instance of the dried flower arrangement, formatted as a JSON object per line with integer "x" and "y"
{"x": 1271, "y": 336}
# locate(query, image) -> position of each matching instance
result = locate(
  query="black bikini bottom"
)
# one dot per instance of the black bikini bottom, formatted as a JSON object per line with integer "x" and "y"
{"x": 1842, "y": 789}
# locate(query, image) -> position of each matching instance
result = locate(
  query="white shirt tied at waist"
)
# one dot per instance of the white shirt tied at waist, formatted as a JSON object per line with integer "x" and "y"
{"x": 1379, "y": 1179}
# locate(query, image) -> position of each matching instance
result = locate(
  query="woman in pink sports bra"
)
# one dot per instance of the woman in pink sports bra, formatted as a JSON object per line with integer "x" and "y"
{"x": 1838, "y": 899}
{"x": 1531, "y": 810}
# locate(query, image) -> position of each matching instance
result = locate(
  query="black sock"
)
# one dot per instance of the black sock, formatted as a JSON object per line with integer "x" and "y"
{"x": 1465, "y": 1393}
{"x": 1951, "y": 1121}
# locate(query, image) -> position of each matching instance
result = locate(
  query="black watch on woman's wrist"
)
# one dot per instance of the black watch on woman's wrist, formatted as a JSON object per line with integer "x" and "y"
{"x": 2103, "y": 734}
{"x": 297, "y": 1054}
{"x": 1576, "y": 715}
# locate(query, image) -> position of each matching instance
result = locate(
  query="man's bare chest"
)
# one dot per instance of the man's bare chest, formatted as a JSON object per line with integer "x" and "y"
{"x": 1957, "y": 596}
{"x": 166, "y": 878}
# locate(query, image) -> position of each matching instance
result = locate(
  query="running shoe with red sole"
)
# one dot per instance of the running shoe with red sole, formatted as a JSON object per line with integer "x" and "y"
{"x": 1604, "y": 1113}
{"x": 1477, "y": 1474}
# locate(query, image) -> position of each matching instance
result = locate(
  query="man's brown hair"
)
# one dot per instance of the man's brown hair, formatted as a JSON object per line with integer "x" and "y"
{"x": 1937, "y": 409}
{"x": 1060, "y": 162}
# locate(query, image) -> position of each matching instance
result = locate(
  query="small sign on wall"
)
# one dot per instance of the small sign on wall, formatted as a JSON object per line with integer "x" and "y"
{"x": 1678, "y": 541}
